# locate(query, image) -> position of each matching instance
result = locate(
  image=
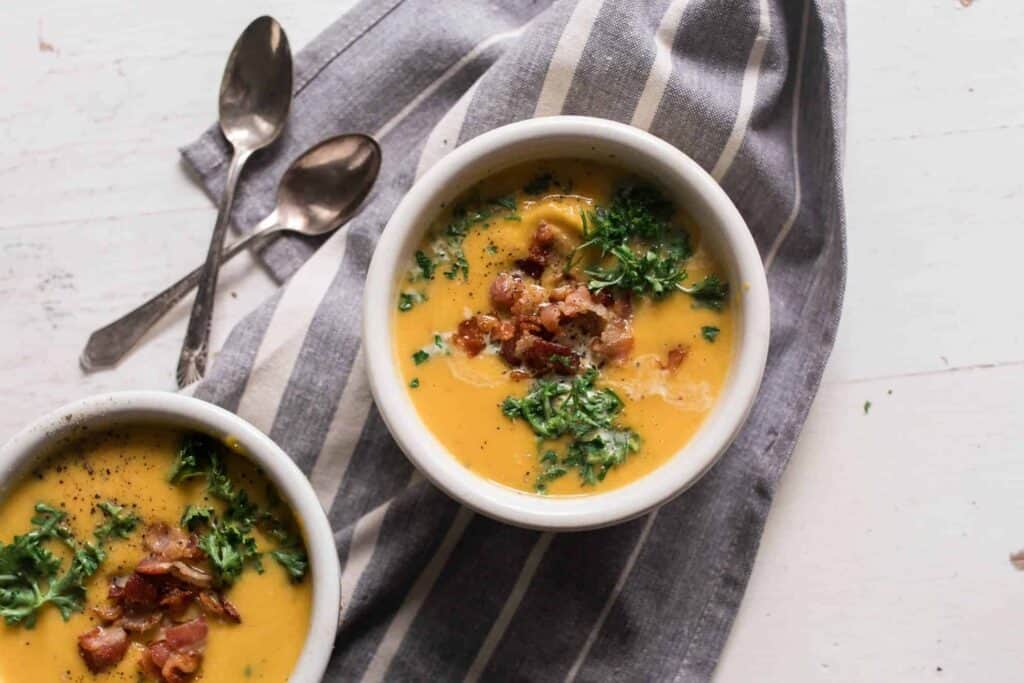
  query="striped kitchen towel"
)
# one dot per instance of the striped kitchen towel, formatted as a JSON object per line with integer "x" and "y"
{"x": 754, "y": 90}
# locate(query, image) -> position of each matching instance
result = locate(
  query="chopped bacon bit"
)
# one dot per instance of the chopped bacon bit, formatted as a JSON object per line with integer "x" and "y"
{"x": 180, "y": 570}
{"x": 506, "y": 329}
{"x": 171, "y": 543}
{"x": 140, "y": 592}
{"x": 676, "y": 356}
{"x": 187, "y": 637}
{"x": 560, "y": 292}
{"x": 543, "y": 356}
{"x": 116, "y": 589}
{"x": 140, "y": 622}
{"x": 154, "y": 657}
{"x": 177, "y": 600}
{"x": 616, "y": 341}
{"x": 108, "y": 613}
{"x": 577, "y": 301}
{"x": 506, "y": 289}
{"x": 529, "y": 300}
{"x": 216, "y": 604}
{"x": 103, "y": 647}
{"x": 622, "y": 305}
{"x": 180, "y": 666}
{"x": 534, "y": 264}
{"x": 470, "y": 336}
{"x": 550, "y": 317}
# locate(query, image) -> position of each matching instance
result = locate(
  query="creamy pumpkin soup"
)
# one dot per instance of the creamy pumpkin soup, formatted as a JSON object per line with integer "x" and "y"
{"x": 562, "y": 329}
{"x": 144, "y": 553}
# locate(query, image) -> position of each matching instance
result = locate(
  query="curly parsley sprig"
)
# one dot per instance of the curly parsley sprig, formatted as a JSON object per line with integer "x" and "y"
{"x": 586, "y": 415}
{"x": 30, "y": 575}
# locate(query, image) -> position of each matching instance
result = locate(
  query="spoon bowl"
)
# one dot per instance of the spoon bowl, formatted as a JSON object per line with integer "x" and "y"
{"x": 324, "y": 187}
{"x": 256, "y": 89}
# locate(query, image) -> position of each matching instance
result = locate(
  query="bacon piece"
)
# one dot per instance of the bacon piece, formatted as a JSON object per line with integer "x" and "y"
{"x": 578, "y": 301}
{"x": 115, "y": 591}
{"x": 550, "y": 317}
{"x": 530, "y": 299}
{"x": 161, "y": 662}
{"x": 108, "y": 613}
{"x": 218, "y": 605}
{"x": 505, "y": 290}
{"x": 504, "y": 330}
{"x": 187, "y": 637}
{"x": 154, "y": 657}
{"x": 176, "y": 600}
{"x": 470, "y": 336}
{"x": 139, "y": 622}
{"x": 180, "y": 570}
{"x": 676, "y": 356}
{"x": 139, "y": 592}
{"x": 180, "y": 666}
{"x": 544, "y": 356}
{"x": 171, "y": 543}
{"x": 616, "y": 340}
{"x": 102, "y": 647}
{"x": 537, "y": 260}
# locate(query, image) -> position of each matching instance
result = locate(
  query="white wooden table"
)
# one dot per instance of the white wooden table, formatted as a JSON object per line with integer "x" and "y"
{"x": 885, "y": 556}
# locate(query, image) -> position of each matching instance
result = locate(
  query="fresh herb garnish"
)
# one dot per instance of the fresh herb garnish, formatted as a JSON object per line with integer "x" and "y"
{"x": 29, "y": 570}
{"x": 294, "y": 561}
{"x": 406, "y": 300}
{"x": 226, "y": 538}
{"x": 426, "y": 266}
{"x": 414, "y": 383}
{"x": 709, "y": 332}
{"x": 578, "y": 410}
{"x": 638, "y": 249}
{"x": 420, "y": 357}
{"x": 448, "y": 248}
{"x": 709, "y": 292}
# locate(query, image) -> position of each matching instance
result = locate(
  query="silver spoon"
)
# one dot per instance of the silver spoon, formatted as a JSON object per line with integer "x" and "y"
{"x": 255, "y": 95}
{"x": 318, "y": 193}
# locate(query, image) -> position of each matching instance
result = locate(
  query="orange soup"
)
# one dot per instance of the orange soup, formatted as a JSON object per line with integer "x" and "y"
{"x": 144, "y": 553}
{"x": 562, "y": 329}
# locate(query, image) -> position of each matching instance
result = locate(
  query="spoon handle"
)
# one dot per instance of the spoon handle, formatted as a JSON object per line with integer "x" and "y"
{"x": 109, "y": 344}
{"x": 192, "y": 361}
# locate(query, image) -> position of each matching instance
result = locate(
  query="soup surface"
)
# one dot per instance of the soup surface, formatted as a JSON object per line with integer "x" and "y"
{"x": 562, "y": 329}
{"x": 255, "y": 621}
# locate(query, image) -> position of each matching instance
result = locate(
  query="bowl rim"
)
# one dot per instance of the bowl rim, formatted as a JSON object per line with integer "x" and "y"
{"x": 450, "y": 175}
{"x": 179, "y": 411}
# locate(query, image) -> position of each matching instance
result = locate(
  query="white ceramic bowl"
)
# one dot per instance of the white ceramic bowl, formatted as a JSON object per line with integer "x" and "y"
{"x": 172, "y": 410}
{"x": 723, "y": 231}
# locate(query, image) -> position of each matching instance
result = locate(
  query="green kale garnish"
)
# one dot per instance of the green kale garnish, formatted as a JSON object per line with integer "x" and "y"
{"x": 406, "y": 300}
{"x": 196, "y": 516}
{"x": 425, "y": 265}
{"x": 639, "y": 250}
{"x": 709, "y": 332}
{"x": 709, "y": 292}
{"x": 414, "y": 383}
{"x": 227, "y": 538}
{"x": 30, "y": 574}
{"x": 420, "y": 357}
{"x": 294, "y": 561}
{"x": 578, "y": 410}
